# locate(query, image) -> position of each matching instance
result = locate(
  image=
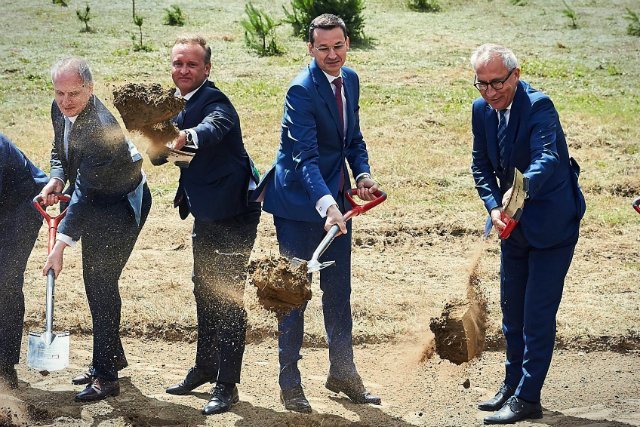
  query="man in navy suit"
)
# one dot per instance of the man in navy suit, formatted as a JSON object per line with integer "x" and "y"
{"x": 305, "y": 192}
{"x": 215, "y": 188}
{"x": 20, "y": 182}
{"x": 109, "y": 204}
{"x": 516, "y": 126}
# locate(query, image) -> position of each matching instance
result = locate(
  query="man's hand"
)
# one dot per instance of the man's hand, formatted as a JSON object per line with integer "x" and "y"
{"x": 48, "y": 193}
{"x": 179, "y": 142}
{"x": 496, "y": 219}
{"x": 54, "y": 260}
{"x": 366, "y": 189}
{"x": 335, "y": 217}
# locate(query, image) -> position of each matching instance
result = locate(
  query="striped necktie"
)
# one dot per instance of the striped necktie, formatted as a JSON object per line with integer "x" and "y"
{"x": 502, "y": 137}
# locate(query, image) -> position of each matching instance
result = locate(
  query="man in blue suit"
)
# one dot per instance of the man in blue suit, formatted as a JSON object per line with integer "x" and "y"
{"x": 304, "y": 190}
{"x": 516, "y": 126}
{"x": 20, "y": 182}
{"x": 215, "y": 188}
{"x": 110, "y": 201}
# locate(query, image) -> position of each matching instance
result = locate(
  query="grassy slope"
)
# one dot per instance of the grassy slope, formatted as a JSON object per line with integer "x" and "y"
{"x": 416, "y": 95}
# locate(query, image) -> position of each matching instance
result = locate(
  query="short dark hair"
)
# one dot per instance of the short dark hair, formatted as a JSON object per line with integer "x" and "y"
{"x": 326, "y": 21}
{"x": 199, "y": 40}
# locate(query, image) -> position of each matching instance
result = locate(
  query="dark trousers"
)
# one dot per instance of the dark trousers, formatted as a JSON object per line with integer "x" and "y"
{"x": 299, "y": 239}
{"x": 106, "y": 247}
{"x": 19, "y": 230}
{"x": 221, "y": 251}
{"x": 530, "y": 292}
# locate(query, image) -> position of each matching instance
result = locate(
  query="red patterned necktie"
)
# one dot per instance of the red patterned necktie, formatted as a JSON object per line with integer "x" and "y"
{"x": 338, "y": 84}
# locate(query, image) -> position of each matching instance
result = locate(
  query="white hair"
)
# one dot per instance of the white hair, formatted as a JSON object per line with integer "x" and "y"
{"x": 489, "y": 51}
{"x": 72, "y": 63}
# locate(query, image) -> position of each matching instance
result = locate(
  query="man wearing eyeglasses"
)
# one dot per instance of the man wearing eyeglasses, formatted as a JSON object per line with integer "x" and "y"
{"x": 305, "y": 192}
{"x": 516, "y": 126}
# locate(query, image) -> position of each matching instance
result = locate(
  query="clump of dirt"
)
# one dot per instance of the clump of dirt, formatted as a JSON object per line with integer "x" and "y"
{"x": 460, "y": 330}
{"x": 148, "y": 109}
{"x": 281, "y": 286}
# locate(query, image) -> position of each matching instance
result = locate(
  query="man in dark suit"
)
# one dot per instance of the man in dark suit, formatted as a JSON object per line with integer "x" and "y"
{"x": 20, "y": 182}
{"x": 516, "y": 126}
{"x": 305, "y": 192}
{"x": 215, "y": 188}
{"x": 109, "y": 204}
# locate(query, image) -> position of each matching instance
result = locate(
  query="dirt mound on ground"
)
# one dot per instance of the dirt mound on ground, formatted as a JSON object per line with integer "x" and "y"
{"x": 148, "y": 109}
{"x": 281, "y": 286}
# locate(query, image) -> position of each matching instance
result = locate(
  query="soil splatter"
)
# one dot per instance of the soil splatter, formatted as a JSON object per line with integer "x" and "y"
{"x": 148, "y": 109}
{"x": 281, "y": 285}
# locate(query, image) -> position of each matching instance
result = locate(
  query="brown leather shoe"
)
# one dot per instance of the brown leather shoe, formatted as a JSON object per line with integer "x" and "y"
{"x": 87, "y": 377}
{"x": 98, "y": 389}
{"x": 353, "y": 388}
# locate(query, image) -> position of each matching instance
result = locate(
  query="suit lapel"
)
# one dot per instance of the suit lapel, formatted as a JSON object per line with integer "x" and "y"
{"x": 326, "y": 92}
{"x": 514, "y": 124}
{"x": 491, "y": 128}
{"x": 351, "y": 117}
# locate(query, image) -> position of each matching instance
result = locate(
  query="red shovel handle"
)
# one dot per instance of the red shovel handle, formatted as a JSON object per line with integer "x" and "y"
{"x": 636, "y": 204}
{"x": 52, "y": 222}
{"x": 357, "y": 209}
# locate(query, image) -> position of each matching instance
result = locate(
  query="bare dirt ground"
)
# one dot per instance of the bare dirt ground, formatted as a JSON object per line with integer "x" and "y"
{"x": 403, "y": 274}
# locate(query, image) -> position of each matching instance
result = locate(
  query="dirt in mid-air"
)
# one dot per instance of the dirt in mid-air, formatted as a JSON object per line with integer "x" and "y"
{"x": 460, "y": 329}
{"x": 148, "y": 109}
{"x": 282, "y": 286}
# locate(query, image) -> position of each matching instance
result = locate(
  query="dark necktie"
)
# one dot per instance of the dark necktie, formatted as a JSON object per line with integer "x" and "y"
{"x": 502, "y": 137}
{"x": 338, "y": 84}
{"x": 67, "y": 130}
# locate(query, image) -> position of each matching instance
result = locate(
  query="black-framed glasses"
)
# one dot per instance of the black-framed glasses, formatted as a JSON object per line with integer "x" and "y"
{"x": 495, "y": 84}
{"x": 326, "y": 49}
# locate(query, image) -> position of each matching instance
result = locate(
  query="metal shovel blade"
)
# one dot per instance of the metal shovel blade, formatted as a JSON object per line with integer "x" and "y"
{"x": 312, "y": 265}
{"x": 48, "y": 351}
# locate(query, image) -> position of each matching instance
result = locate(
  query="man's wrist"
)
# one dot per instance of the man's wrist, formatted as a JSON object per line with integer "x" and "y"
{"x": 363, "y": 176}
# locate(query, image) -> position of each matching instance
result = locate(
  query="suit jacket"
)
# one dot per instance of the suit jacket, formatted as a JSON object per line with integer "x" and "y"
{"x": 20, "y": 181}
{"x": 535, "y": 144}
{"x": 312, "y": 153}
{"x": 215, "y": 184}
{"x": 102, "y": 166}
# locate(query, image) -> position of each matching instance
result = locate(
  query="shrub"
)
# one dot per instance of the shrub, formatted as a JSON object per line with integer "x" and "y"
{"x": 60, "y": 2}
{"x": 139, "y": 46}
{"x": 260, "y": 31}
{"x": 634, "y": 25}
{"x": 303, "y": 12}
{"x": 519, "y": 2}
{"x": 571, "y": 14}
{"x": 173, "y": 16}
{"x": 85, "y": 16}
{"x": 424, "y": 5}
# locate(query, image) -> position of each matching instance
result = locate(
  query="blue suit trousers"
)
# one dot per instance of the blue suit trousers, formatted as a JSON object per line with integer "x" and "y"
{"x": 299, "y": 239}
{"x": 531, "y": 287}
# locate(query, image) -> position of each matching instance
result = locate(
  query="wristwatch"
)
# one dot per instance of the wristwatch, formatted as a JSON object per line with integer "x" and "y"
{"x": 189, "y": 136}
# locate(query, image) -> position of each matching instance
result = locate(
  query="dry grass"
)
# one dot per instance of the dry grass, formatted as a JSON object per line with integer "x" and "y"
{"x": 412, "y": 252}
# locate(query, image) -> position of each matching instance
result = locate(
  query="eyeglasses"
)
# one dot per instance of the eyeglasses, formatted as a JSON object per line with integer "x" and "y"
{"x": 495, "y": 84}
{"x": 326, "y": 49}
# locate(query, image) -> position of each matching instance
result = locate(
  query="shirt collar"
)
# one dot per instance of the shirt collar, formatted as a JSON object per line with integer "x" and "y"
{"x": 190, "y": 94}
{"x": 330, "y": 77}
{"x": 72, "y": 119}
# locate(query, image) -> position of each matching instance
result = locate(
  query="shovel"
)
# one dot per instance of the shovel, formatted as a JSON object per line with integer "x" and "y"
{"x": 49, "y": 351}
{"x": 636, "y": 204}
{"x": 313, "y": 264}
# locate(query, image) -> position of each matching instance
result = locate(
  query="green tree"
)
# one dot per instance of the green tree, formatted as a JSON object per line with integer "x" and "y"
{"x": 303, "y": 12}
{"x": 85, "y": 16}
{"x": 634, "y": 23}
{"x": 173, "y": 16}
{"x": 260, "y": 31}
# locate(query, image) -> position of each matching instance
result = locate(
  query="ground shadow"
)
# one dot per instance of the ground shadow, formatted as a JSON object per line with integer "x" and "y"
{"x": 131, "y": 405}
{"x": 558, "y": 419}
{"x": 370, "y": 414}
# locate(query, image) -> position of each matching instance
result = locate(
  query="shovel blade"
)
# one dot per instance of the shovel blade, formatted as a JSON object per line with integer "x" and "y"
{"x": 48, "y": 352}
{"x": 312, "y": 266}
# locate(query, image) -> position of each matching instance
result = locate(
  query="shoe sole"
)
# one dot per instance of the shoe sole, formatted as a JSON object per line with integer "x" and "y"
{"x": 535, "y": 416}
{"x": 112, "y": 394}
{"x": 336, "y": 389}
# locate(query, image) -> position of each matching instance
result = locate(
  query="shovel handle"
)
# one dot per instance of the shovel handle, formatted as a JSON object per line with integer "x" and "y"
{"x": 52, "y": 221}
{"x": 357, "y": 209}
{"x": 636, "y": 204}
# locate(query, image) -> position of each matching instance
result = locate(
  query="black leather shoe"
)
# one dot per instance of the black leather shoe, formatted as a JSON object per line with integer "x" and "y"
{"x": 195, "y": 378}
{"x": 354, "y": 389}
{"x": 224, "y": 395}
{"x": 9, "y": 376}
{"x": 87, "y": 377}
{"x": 295, "y": 400}
{"x": 498, "y": 400}
{"x": 98, "y": 389}
{"x": 515, "y": 409}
